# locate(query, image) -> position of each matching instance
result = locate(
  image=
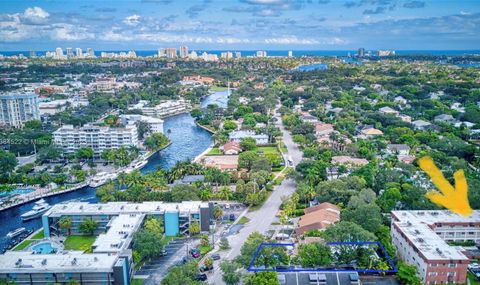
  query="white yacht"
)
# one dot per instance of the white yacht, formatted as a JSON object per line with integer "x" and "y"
{"x": 137, "y": 165}
{"x": 16, "y": 232}
{"x": 40, "y": 207}
{"x": 101, "y": 178}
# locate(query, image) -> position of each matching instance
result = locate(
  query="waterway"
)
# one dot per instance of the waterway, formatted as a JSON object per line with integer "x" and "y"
{"x": 187, "y": 141}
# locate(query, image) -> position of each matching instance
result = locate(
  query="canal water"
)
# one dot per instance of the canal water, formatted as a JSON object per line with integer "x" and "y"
{"x": 187, "y": 141}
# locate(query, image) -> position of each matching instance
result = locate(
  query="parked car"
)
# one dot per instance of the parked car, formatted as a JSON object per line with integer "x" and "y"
{"x": 195, "y": 252}
{"x": 215, "y": 256}
{"x": 232, "y": 217}
{"x": 205, "y": 268}
{"x": 201, "y": 277}
{"x": 163, "y": 252}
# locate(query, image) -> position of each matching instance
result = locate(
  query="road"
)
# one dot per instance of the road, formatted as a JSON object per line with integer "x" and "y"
{"x": 262, "y": 218}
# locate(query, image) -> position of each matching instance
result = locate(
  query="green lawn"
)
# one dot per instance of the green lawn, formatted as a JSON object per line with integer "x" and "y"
{"x": 243, "y": 221}
{"x": 23, "y": 244}
{"x": 472, "y": 279}
{"x": 137, "y": 281}
{"x": 204, "y": 249}
{"x": 217, "y": 88}
{"x": 267, "y": 149}
{"x": 39, "y": 235}
{"x": 214, "y": 151}
{"x": 79, "y": 243}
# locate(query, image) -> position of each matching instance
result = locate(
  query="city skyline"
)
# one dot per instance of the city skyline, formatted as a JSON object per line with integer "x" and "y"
{"x": 241, "y": 25}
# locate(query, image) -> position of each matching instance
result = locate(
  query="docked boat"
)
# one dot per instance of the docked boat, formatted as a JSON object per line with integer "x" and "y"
{"x": 40, "y": 207}
{"x": 100, "y": 179}
{"x": 137, "y": 165}
{"x": 16, "y": 232}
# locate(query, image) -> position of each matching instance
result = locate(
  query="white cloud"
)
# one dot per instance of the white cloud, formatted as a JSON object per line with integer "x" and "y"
{"x": 286, "y": 40}
{"x": 132, "y": 20}
{"x": 35, "y": 16}
{"x": 66, "y": 32}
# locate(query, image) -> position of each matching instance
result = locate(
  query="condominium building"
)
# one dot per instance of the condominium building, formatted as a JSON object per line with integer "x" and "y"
{"x": 105, "y": 83}
{"x": 155, "y": 124}
{"x": 18, "y": 108}
{"x": 23, "y": 267}
{"x": 164, "y": 109}
{"x": 176, "y": 216}
{"x": 71, "y": 138}
{"x": 90, "y": 52}
{"x": 261, "y": 53}
{"x": 171, "y": 52}
{"x": 79, "y": 52}
{"x": 183, "y": 51}
{"x": 226, "y": 55}
{"x": 420, "y": 238}
{"x": 162, "y": 52}
{"x": 69, "y": 52}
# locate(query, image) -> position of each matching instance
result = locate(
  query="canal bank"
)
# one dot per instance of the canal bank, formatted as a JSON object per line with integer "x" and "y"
{"x": 187, "y": 141}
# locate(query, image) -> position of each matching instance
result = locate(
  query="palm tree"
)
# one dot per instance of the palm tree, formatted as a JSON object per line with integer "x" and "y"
{"x": 205, "y": 194}
{"x": 65, "y": 223}
{"x": 225, "y": 193}
{"x": 194, "y": 228}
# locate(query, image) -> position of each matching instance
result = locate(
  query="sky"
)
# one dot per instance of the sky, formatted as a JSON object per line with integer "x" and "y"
{"x": 240, "y": 24}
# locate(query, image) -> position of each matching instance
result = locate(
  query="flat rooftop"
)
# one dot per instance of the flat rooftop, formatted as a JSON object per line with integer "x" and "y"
{"x": 68, "y": 262}
{"x": 119, "y": 234}
{"x": 417, "y": 226}
{"x": 117, "y": 208}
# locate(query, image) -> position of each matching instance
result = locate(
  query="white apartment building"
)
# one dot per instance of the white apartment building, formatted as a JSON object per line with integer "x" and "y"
{"x": 156, "y": 124}
{"x": 420, "y": 238}
{"x": 72, "y": 138}
{"x": 164, "y": 109}
{"x": 105, "y": 83}
{"x": 18, "y": 108}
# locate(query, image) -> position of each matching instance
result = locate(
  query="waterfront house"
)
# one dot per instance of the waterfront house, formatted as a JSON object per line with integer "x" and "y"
{"x": 398, "y": 149}
{"x": 222, "y": 162}
{"x": 231, "y": 148}
{"x": 237, "y": 136}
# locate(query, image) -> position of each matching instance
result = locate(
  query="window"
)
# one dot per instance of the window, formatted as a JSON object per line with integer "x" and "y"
{"x": 453, "y": 265}
{"x": 432, "y": 274}
{"x": 451, "y": 274}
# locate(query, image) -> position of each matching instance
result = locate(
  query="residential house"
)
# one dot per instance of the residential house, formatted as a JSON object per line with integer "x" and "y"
{"x": 309, "y": 119}
{"x": 369, "y": 132}
{"x": 388, "y": 111}
{"x": 444, "y": 118}
{"x": 401, "y": 149}
{"x": 323, "y": 129}
{"x": 400, "y": 100}
{"x": 222, "y": 162}
{"x": 348, "y": 160}
{"x": 318, "y": 217}
{"x": 405, "y": 118}
{"x": 422, "y": 125}
{"x": 237, "y": 136}
{"x": 231, "y": 148}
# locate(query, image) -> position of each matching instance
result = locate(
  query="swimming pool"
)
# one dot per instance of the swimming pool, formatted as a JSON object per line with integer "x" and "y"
{"x": 17, "y": 191}
{"x": 44, "y": 248}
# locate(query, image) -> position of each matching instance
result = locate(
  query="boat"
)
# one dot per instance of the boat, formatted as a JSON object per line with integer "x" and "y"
{"x": 100, "y": 179}
{"x": 137, "y": 165}
{"x": 16, "y": 232}
{"x": 40, "y": 207}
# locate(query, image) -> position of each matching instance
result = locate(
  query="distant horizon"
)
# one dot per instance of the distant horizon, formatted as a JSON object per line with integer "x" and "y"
{"x": 241, "y": 24}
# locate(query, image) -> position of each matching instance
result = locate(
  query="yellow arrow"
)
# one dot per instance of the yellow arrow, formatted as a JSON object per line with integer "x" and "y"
{"x": 453, "y": 198}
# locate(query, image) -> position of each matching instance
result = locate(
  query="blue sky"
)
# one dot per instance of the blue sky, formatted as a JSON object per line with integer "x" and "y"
{"x": 240, "y": 24}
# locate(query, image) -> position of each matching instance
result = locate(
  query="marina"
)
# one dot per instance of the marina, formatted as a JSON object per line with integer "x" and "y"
{"x": 187, "y": 142}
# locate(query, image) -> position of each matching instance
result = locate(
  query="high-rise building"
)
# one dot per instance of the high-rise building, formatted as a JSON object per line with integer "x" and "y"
{"x": 261, "y": 53}
{"x": 33, "y": 53}
{"x": 290, "y": 53}
{"x": 183, "y": 51}
{"x": 162, "y": 52}
{"x": 79, "y": 52}
{"x": 171, "y": 52}
{"x": 58, "y": 53}
{"x": 361, "y": 52}
{"x": 18, "y": 108}
{"x": 69, "y": 52}
{"x": 90, "y": 52}
{"x": 238, "y": 54}
{"x": 226, "y": 55}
